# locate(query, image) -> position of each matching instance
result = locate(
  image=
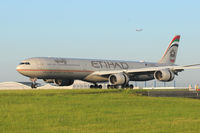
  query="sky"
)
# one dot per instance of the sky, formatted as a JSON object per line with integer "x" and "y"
{"x": 103, "y": 29}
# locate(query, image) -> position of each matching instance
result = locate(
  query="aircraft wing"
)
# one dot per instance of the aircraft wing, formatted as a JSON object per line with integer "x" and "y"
{"x": 175, "y": 69}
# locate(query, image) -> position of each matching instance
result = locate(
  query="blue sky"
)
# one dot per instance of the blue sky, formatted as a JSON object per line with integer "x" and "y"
{"x": 103, "y": 29}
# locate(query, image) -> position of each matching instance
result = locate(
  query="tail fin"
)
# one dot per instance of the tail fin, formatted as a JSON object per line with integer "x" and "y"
{"x": 170, "y": 54}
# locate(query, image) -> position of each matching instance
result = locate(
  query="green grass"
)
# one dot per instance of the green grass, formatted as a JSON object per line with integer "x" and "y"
{"x": 95, "y": 111}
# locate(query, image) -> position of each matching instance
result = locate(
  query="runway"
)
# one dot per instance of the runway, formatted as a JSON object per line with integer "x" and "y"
{"x": 153, "y": 92}
{"x": 26, "y": 86}
{"x": 172, "y": 93}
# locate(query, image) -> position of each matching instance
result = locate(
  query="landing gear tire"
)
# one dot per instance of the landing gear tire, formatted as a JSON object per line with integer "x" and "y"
{"x": 91, "y": 86}
{"x": 100, "y": 86}
{"x": 33, "y": 86}
{"x": 127, "y": 87}
{"x": 108, "y": 86}
{"x": 112, "y": 86}
{"x": 131, "y": 86}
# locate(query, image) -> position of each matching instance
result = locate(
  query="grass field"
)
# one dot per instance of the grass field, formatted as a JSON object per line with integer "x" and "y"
{"x": 95, "y": 111}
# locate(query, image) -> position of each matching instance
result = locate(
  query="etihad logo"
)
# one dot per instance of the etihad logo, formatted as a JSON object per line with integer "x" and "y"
{"x": 172, "y": 55}
{"x": 109, "y": 64}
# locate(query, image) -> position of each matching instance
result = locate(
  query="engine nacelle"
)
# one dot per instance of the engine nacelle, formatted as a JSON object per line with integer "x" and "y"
{"x": 63, "y": 82}
{"x": 164, "y": 75}
{"x": 118, "y": 79}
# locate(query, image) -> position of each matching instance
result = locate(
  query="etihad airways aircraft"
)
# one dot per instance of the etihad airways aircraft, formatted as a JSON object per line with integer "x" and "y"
{"x": 63, "y": 71}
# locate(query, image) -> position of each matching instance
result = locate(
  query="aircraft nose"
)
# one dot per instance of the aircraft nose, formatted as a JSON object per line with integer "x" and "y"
{"x": 23, "y": 67}
{"x": 18, "y": 68}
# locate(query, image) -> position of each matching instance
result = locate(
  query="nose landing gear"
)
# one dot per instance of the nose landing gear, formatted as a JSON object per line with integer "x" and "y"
{"x": 34, "y": 84}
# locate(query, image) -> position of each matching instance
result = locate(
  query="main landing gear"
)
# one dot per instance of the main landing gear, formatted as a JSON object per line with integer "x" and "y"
{"x": 95, "y": 86}
{"x": 120, "y": 86}
{"x": 34, "y": 84}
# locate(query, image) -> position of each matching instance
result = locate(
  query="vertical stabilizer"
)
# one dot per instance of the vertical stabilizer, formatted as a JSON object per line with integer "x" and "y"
{"x": 169, "y": 56}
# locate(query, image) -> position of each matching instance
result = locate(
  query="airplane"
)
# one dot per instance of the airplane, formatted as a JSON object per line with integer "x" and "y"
{"x": 63, "y": 71}
{"x": 138, "y": 30}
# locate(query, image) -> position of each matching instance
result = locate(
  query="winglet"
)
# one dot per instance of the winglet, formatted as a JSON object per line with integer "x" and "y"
{"x": 169, "y": 56}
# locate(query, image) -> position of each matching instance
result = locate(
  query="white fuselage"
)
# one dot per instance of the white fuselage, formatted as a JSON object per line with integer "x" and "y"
{"x": 67, "y": 68}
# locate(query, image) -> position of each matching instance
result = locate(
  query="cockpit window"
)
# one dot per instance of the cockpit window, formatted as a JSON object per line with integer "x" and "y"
{"x": 24, "y": 63}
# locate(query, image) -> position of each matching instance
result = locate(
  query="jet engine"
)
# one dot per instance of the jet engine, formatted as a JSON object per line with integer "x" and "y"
{"x": 164, "y": 75}
{"x": 119, "y": 79}
{"x": 63, "y": 82}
